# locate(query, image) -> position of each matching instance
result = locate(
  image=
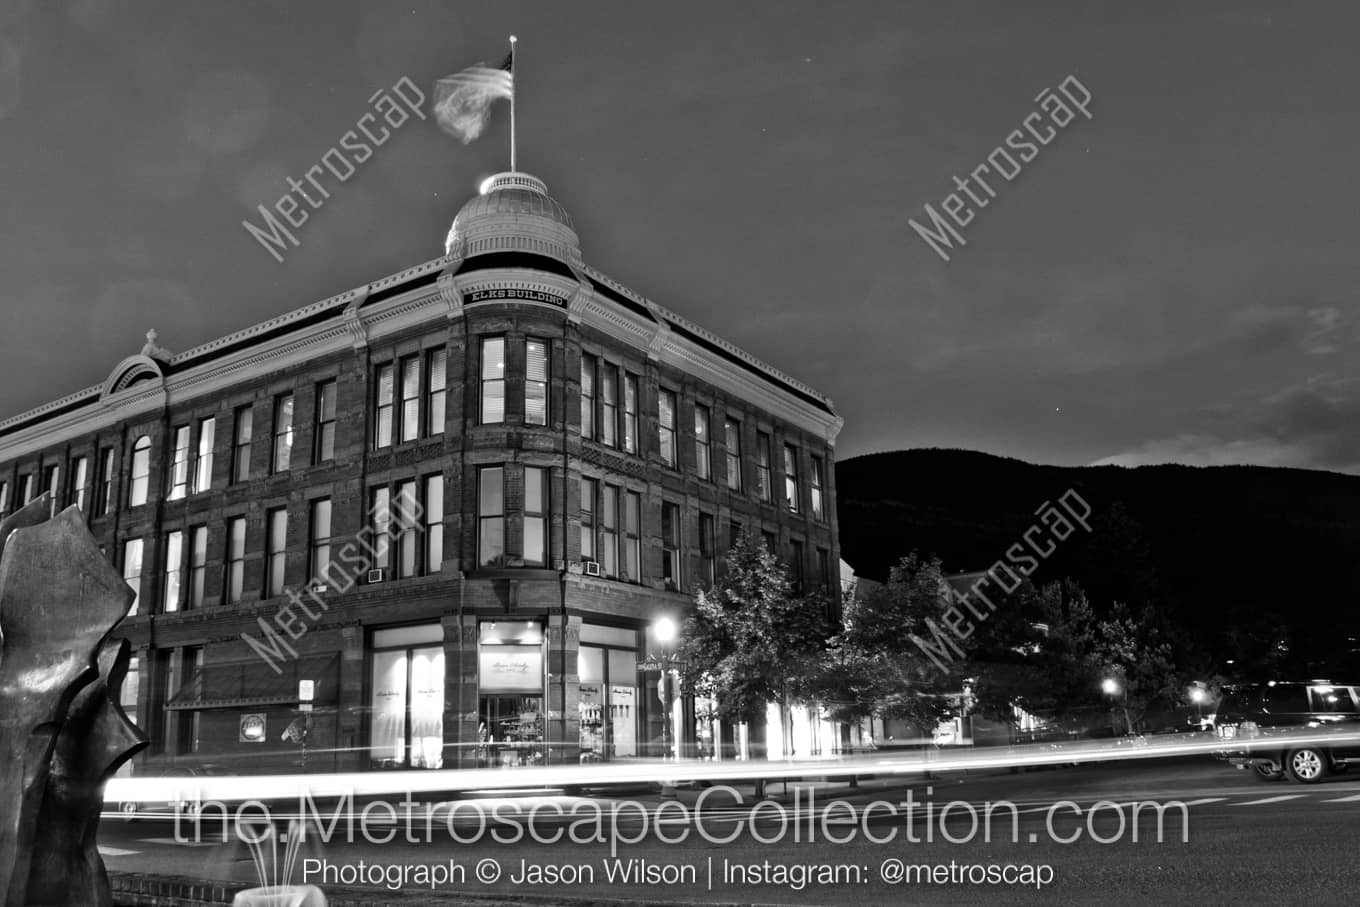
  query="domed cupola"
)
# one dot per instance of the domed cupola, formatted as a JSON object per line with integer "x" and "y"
{"x": 514, "y": 213}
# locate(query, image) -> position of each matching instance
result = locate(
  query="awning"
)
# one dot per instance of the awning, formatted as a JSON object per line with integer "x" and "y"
{"x": 251, "y": 684}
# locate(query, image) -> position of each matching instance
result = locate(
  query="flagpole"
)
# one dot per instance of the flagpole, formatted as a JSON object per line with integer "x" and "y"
{"x": 512, "y": 102}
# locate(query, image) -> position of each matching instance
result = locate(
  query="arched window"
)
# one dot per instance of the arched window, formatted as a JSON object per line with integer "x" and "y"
{"x": 141, "y": 471}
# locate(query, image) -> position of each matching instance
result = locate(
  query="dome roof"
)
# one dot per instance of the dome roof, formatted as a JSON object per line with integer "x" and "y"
{"x": 513, "y": 211}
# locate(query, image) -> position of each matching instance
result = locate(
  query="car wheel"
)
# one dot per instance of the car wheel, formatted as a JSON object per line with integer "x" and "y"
{"x": 128, "y": 810}
{"x": 1308, "y": 765}
{"x": 1266, "y": 773}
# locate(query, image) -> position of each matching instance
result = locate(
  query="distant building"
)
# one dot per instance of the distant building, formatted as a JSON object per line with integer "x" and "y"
{"x": 446, "y": 506}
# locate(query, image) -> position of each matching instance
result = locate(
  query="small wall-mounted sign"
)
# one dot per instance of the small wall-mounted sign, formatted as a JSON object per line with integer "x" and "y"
{"x": 254, "y": 727}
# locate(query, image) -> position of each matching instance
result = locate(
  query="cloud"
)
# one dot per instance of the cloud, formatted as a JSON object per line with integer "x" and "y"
{"x": 1315, "y": 425}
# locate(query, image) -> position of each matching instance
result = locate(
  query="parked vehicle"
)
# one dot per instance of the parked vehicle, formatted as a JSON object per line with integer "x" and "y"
{"x": 1274, "y": 715}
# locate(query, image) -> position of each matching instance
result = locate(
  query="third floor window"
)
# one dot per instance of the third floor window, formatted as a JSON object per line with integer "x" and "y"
{"x": 493, "y": 380}
{"x": 283, "y": 433}
{"x": 666, "y": 425}
{"x": 703, "y": 464}
{"x": 324, "y": 439}
{"x": 535, "y": 382}
{"x": 732, "y": 431}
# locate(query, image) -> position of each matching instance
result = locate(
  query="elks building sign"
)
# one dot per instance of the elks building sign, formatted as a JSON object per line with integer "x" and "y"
{"x": 477, "y": 296}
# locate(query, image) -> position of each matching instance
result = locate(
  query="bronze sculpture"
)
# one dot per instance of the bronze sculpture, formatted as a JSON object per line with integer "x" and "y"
{"x": 62, "y": 730}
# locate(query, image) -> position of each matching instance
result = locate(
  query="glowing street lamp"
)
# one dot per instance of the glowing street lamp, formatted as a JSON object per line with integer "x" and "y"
{"x": 1197, "y": 696}
{"x": 664, "y": 629}
{"x": 1110, "y": 686}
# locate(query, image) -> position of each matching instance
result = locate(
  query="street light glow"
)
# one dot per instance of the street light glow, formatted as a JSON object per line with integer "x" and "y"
{"x": 1197, "y": 695}
{"x": 664, "y": 628}
{"x": 1110, "y": 686}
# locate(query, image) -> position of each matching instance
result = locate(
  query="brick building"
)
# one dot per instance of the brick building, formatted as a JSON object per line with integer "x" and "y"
{"x": 452, "y": 502}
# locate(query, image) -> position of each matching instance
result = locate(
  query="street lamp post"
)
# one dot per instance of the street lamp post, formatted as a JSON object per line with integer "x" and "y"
{"x": 1197, "y": 696}
{"x": 665, "y": 632}
{"x": 1112, "y": 688}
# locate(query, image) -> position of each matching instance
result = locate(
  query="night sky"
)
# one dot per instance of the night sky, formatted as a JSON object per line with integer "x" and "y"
{"x": 1175, "y": 279}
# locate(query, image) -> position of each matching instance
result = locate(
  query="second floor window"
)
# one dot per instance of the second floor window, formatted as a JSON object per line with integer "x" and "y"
{"x": 203, "y": 460}
{"x": 708, "y": 547}
{"x": 174, "y": 571}
{"x": 535, "y": 382}
{"x": 436, "y": 386}
{"x": 491, "y": 516}
{"x": 732, "y": 432}
{"x": 384, "y": 391}
{"x": 493, "y": 380}
{"x": 666, "y": 425}
{"x": 4, "y": 497}
{"x": 319, "y": 550}
{"x": 796, "y": 558}
{"x": 234, "y": 570}
{"x": 179, "y": 464}
{"x": 702, "y": 463}
{"x": 52, "y": 481}
{"x": 433, "y": 515}
{"x": 283, "y": 433}
{"x": 141, "y": 472}
{"x": 275, "y": 548}
{"x": 103, "y": 501}
{"x": 609, "y": 531}
{"x": 132, "y": 570}
{"x": 766, "y": 484}
{"x": 670, "y": 545}
{"x": 406, "y": 529}
{"x": 324, "y": 442}
{"x": 791, "y": 478}
{"x": 26, "y": 488}
{"x": 535, "y": 516}
{"x": 630, "y": 413}
{"x": 242, "y": 434}
{"x": 609, "y": 404}
{"x": 588, "y": 367}
{"x": 198, "y": 565}
{"x": 818, "y": 481}
{"x": 632, "y": 537}
{"x": 588, "y": 494}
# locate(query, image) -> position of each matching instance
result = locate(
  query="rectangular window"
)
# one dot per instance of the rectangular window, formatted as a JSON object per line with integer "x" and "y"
{"x": 796, "y": 565}
{"x": 535, "y": 516}
{"x": 319, "y": 551}
{"x": 670, "y": 545}
{"x": 436, "y": 384}
{"x": 410, "y": 398}
{"x": 588, "y": 492}
{"x": 609, "y": 404}
{"x": 791, "y": 478}
{"x": 823, "y": 569}
{"x": 380, "y": 522}
{"x": 243, "y": 433}
{"x": 186, "y": 740}
{"x": 535, "y": 382}
{"x": 103, "y": 501}
{"x": 732, "y": 431}
{"x": 275, "y": 542}
{"x": 763, "y": 466}
{"x": 434, "y": 523}
{"x": 4, "y": 497}
{"x": 384, "y": 389}
{"x": 630, "y": 413}
{"x": 283, "y": 433}
{"x": 52, "y": 481}
{"x": 174, "y": 571}
{"x": 666, "y": 425}
{"x": 702, "y": 463}
{"x": 491, "y": 516}
{"x": 132, "y": 570}
{"x": 493, "y": 380}
{"x": 406, "y": 526}
{"x": 323, "y": 444}
{"x": 609, "y": 531}
{"x": 768, "y": 540}
{"x": 632, "y": 536}
{"x": 198, "y": 565}
{"x": 235, "y": 573}
{"x": 26, "y": 488}
{"x": 140, "y": 486}
{"x": 708, "y": 548}
{"x": 179, "y": 464}
{"x": 203, "y": 458}
{"x": 733, "y": 533}
{"x": 818, "y": 481}
{"x": 588, "y": 397}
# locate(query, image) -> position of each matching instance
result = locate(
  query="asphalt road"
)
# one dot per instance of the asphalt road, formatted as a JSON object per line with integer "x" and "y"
{"x": 1078, "y": 835}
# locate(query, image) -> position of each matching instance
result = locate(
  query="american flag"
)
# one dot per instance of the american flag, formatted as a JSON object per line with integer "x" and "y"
{"x": 462, "y": 101}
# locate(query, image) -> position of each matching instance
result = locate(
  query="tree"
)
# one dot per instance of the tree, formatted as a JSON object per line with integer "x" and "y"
{"x": 749, "y": 641}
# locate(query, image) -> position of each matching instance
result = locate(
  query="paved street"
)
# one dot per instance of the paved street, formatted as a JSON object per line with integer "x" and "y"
{"x": 1077, "y": 835}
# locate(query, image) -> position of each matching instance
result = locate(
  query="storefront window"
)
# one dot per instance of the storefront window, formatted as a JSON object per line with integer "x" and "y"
{"x": 407, "y": 703}
{"x": 609, "y": 706}
{"x": 510, "y": 727}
